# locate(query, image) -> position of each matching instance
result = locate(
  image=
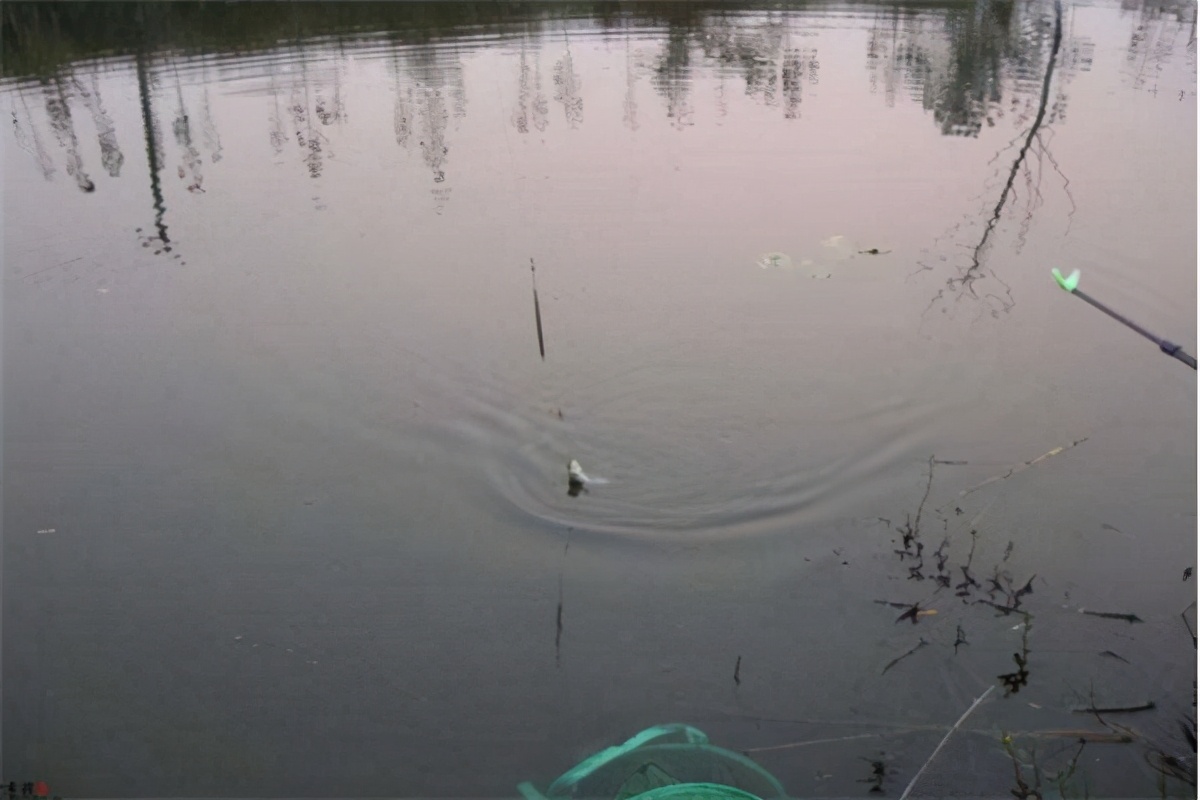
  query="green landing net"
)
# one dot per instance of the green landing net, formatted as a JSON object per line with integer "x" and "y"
{"x": 666, "y": 762}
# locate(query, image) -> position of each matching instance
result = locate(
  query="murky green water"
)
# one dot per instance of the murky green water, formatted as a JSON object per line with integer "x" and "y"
{"x": 286, "y": 507}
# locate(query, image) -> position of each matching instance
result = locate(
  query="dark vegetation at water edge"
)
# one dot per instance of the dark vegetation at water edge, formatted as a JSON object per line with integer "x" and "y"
{"x": 38, "y": 38}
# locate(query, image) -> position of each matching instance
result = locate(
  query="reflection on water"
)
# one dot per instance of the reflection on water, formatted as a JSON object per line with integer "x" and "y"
{"x": 968, "y": 66}
{"x": 531, "y": 102}
{"x": 28, "y": 139}
{"x": 59, "y": 114}
{"x": 110, "y": 152}
{"x": 271, "y": 378}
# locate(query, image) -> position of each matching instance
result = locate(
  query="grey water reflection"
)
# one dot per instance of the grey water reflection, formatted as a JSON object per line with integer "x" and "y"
{"x": 292, "y": 454}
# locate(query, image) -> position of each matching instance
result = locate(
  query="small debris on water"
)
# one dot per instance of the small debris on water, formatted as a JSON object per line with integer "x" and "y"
{"x": 1129, "y": 709}
{"x": 1130, "y": 618}
{"x": 920, "y": 643}
{"x": 915, "y": 612}
{"x": 878, "y": 772}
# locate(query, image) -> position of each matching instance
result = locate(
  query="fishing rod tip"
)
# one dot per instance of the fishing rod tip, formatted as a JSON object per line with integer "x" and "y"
{"x": 1068, "y": 283}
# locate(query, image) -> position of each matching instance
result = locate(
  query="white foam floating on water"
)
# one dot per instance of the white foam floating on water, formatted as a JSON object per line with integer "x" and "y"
{"x": 775, "y": 260}
{"x": 783, "y": 262}
{"x": 831, "y": 251}
{"x": 838, "y": 248}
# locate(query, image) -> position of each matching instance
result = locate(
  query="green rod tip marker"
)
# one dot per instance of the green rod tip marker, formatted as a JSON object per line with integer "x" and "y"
{"x": 1068, "y": 283}
{"x": 1071, "y": 284}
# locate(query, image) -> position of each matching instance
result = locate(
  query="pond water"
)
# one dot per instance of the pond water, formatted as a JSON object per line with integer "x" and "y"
{"x": 306, "y": 308}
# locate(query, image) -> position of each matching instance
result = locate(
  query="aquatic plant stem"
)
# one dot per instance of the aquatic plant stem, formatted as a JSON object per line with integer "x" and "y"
{"x": 537, "y": 311}
{"x": 945, "y": 739}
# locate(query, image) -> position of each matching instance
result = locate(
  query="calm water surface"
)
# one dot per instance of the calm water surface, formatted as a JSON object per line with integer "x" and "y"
{"x": 286, "y": 507}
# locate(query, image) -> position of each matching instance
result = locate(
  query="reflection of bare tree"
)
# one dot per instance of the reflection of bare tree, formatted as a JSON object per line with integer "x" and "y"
{"x": 974, "y": 271}
{"x": 182, "y": 129}
{"x": 428, "y": 88}
{"x": 153, "y": 137}
{"x": 531, "y": 103}
{"x": 774, "y": 71}
{"x": 1077, "y": 55}
{"x": 878, "y": 62}
{"x": 402, "y": 114}
{"x": 458, "y": 91}
{"x": 110, "y": 152}
{"x": 629, "y": 105}
{"x": 959, "y": 64}
{"x": 971, "y": 83}
{"x": 31, "y": 141}
{"x": 539, "y": 109}
{"x": 277, "y": 133}
{"x": 520, "y": 116}
{"x": 793, "y": 74}
{"x": 566, "y": 89}
{"x": 334, "y": 109}
{"x": 208, "y": 128}
{"x": 760, "y": 72}
{"x": 1157, "y": 28}
{"x": 307, "y": 137}
{"x": 722, "y": 103}
{"x": 436, "y": 119}
{"x": 58, "y": 110}
{"x": 672, "y": 76}
{"x": 955, "y": 64}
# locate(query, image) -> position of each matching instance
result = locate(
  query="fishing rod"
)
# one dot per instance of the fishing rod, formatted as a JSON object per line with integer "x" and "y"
{"x": 1070, "y": 284}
